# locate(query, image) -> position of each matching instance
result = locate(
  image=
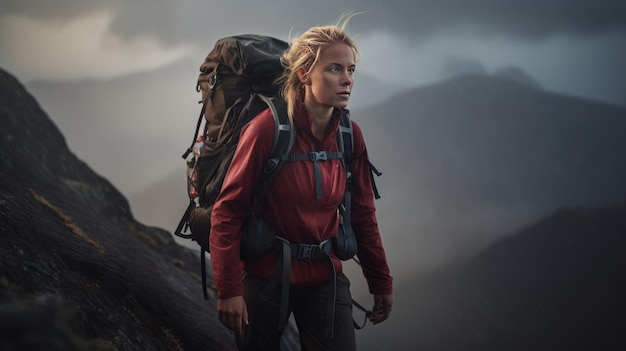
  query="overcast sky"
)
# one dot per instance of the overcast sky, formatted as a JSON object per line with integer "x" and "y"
{"x": 573, "y": 47}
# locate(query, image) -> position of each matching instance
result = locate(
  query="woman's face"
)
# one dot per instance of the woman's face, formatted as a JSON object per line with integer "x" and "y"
{"x": 329, "y": 83}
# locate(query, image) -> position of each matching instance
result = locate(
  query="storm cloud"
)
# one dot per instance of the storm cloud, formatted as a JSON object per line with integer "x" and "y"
{"x": 416, "y": 19}
{"x": 573, "y": 47}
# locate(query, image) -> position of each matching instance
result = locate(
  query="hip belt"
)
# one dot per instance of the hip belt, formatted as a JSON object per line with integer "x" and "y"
{"x": 302, "y": 252}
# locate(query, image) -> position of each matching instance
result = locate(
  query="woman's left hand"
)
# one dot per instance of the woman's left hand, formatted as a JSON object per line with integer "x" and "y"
{"x": 381, "y": 309}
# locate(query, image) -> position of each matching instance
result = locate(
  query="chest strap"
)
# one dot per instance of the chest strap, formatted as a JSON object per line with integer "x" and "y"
{"x": 315, "y": 157}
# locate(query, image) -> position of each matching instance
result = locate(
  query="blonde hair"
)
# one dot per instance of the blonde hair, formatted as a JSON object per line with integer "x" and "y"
{"x": 304, "y": 52}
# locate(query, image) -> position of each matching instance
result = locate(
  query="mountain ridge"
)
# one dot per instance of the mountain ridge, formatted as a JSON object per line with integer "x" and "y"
{"x": 476, "y": 157}
{"x": 553, "y": 285}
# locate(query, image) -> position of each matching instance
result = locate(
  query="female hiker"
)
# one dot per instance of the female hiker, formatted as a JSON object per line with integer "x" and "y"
{"x": 301, "y": 207}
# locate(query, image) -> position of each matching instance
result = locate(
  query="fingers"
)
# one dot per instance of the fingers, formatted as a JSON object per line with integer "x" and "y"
{"x": 379, "y": 316}
{"x": 381, "y": 309}
{"x": 245, "y": 316}
{"x": 232, "y": 312}
{"x": 232, "y": 322}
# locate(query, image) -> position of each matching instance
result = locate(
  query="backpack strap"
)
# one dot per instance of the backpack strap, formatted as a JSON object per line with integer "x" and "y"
{"x": 183, "y": 225}
{"x": 345, "y": 141}
{"x": 284, "y": 137}
{"x": 195, "y": 135}
{"x": 373, "y": 171}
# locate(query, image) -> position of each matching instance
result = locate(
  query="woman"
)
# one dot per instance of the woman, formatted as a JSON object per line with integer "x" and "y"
{"x": 318, "y": 79}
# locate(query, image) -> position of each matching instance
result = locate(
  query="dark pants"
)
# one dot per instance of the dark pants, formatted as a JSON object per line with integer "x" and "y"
{"x": 309, "y": 305}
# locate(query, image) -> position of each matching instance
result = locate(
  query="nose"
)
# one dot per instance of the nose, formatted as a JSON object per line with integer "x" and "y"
{"x": 346, "y": 78}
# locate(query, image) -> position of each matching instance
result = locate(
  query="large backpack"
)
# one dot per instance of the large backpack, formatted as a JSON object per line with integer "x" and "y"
{"x": 238, "y": 80}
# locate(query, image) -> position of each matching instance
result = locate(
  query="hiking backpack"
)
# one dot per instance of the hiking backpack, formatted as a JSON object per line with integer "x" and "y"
{"x": 238, "y": 80}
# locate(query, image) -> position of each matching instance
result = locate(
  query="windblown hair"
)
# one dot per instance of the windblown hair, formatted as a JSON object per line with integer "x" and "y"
{"x": 304, "y": 52}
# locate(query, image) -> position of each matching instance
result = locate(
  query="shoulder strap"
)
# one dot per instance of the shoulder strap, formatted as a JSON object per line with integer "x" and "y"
{"x": 283, "y": 133}
{"x": 345, "y": 140}
{"x": 346, "y": 144}
{"x": 284, "y": 137}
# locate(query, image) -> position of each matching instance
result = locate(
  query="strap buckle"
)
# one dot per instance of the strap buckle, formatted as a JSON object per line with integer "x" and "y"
{"x": 305, "y": 251}
{"x": 312, "y": 251}
{"x": 318, "y": 156}
{"x": 270, "y": 165}
{"x": 213, "y": 79}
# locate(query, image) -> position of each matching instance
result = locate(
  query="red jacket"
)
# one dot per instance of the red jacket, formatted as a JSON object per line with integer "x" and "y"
{"x": 292, "y": 209}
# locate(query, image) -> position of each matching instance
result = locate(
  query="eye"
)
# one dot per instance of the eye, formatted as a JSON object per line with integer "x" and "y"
{"x": 334, "y": 69}
{"x": 351, "y": 70}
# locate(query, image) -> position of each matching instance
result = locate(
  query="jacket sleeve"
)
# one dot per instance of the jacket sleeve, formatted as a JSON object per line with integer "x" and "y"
{"x": 364, "y": 223}
{"x": 233, "y": 203}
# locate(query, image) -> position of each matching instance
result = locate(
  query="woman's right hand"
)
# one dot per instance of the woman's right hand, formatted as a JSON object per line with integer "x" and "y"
{"x": 233, "y": 313}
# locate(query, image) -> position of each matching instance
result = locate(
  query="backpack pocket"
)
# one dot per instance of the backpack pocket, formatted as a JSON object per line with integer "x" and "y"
{"x": 345, "y": 242}
{"x": 257, "y": 239}
{"x": 211, "y": 167}
{"x": 204, "y": 181}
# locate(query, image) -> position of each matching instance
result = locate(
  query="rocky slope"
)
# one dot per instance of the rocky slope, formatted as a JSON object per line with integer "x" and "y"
{"x": 78, "y": 271}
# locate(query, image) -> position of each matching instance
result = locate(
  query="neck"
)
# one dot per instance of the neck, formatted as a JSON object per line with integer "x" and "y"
{"x": 321, "y": 117}
{"x": 318, "y": 111}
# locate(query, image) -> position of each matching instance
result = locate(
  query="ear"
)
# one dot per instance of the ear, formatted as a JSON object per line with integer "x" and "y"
{"x": 303, "y": 76}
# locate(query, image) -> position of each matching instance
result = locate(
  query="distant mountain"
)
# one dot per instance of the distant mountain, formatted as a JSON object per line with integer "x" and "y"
{"x": 519, "y": 76}
{"x": 455, "y": 66}
{"x": 368, "y": 92}
{"x": 556, "y": 285}
{"x": 478, "y": 156}
{"x": 168, "y": 213}
{"x": 513, "y": 144}
{"x": 137, "y": 124}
